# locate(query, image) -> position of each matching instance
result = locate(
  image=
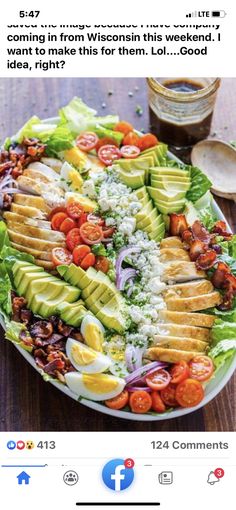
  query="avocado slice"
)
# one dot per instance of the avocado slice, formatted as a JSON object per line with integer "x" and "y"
{"x": 134, "y": 179}
{"x": 166, "y": 196}
{"x": 158, "y": 234}
{"x": 24, "y": 285}
{"x": 141, "y": 192}
{"x": 21, "y": 273}
{"x": 148, "y": 219}
{"x": 171, "y": 186}
{"x": 168, "y": 171}
{"x": 89, "y": 289}
{"x": 72, "y": 313}
{"x": 132, "y": 165}
{"x": 146, "y": 209}
{"x": 153, "y": 225}
{"x": 158, "y": 152}
{"x": 49, "y": 307}
{"x": 169, "y": 178}
{"x": 165, "y": 208}
{"x": 38, "y": 286}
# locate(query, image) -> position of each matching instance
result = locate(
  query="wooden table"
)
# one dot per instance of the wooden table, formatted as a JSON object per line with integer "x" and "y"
{"x": 27, "y": 403}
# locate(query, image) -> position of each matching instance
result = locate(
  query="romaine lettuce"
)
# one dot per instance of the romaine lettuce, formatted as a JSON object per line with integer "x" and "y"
{"x": 224, "y": 350}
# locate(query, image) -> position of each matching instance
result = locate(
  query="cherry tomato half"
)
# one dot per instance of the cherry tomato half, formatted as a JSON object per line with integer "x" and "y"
{"x": 80, "y": 252}
{"x": 57, "y": 220}
{"x": 91, "y": 233}
{"x": 73, "y": 239}
{"x": 140, "y": 402}
{"x": 123, "y": 127}
{"x": 158, "y": 380}
{"x": 67, "y": 225}
{"x": 87, "y": 141}
{"x": 83, "y": 218}
{"x": 102, "y": 264}
{"x": 108, "y": 153}
{"x": 61, "y": 256}
{"x": 168, "y": 396}
{"x": 74, "y": 210}
{"x": 201, "y": 368}
{"x": 131, "y": 139}
{"x": 179, "y": 372}
{"x": 119, "y": 401}
{"x": 189, "y": 393}
{"x": 130, "y": 151}
{"x": 106, "y": 140}
{"x": 88, "y": 260}
{"x": 157, "y": 403}
{"x": 57, "y": 210}
{"x": 147, "y": 141}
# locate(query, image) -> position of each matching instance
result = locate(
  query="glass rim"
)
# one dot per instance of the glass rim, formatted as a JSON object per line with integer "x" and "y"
{"x": 183, "y": 97}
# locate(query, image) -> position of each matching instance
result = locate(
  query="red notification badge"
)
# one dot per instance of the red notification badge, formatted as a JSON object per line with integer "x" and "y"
{"x": 219, "y": 473}
{"x": 129, "y": 463}
{"x": 20, "y": 445}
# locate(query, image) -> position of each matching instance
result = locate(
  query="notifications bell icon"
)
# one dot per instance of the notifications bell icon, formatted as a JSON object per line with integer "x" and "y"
{"x": 212, "y": 479}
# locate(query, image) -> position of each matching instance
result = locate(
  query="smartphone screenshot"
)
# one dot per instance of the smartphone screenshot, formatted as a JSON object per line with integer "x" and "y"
{"x": 117, "y": 255}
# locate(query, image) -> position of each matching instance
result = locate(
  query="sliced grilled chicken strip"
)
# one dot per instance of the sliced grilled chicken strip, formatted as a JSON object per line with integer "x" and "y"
{"x": 37, "y": 233}
{"x": 43, "y": 255}
{"x": 185, "y": 331}
{"x": 181, "y": 272}
{"x": 37, "y": 176}
{"x": 45, "y": 264}
{"x": 188, "y": 289}
{"x": 180, "y": 343}
{"x": 30, "y": 242}
{"x": 171, "y": 242}
{"x": 195, "y": 303}
{"x": 53, "y": 163}
{"x": 170, "y": 355}
{"x": 189, "y": 319}
{"x": 170, "y": 254}
{"x": 32, "y": 201}
{"x": 11, "y": 217}
{"x": 43, "y": 169}
{"x": 28, "y": 212}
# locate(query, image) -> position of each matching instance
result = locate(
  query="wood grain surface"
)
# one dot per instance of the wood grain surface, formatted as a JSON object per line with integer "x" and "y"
{"x": 27, "y": 403}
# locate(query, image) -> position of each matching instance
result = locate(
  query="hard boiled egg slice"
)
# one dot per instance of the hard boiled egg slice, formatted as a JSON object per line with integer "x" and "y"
{"x": 70, "y": 179}
{"x": 97, "y": 387}
{"x": 85, "y": 359}
{"x": 93, "y": 332}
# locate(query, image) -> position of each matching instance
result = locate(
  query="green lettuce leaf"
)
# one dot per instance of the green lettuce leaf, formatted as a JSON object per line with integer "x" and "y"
{"x": 80, "y": 117}
{"x": 5, "y": 291}
{"x": 223, "y": 330}
{"x": 13, "y": 330}
{"x": 99, "y": 249}
{"x": 60, "y": 140}
{"x": 200, "y": 184}
{"x": 9, "y": 256}
{"x": 102, "y": 131}
{"x": 4, "y": 238}
{"x": 224, "y": 350}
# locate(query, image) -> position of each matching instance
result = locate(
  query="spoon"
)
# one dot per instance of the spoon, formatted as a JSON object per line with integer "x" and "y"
{"x": 217, "y": 160}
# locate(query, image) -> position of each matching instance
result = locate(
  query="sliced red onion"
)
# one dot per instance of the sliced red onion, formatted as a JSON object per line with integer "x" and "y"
{"x": 138, "y": 388}
{"x": 130, "y": 353}
{"x": 130, "y": 289}
{"x": 124, "y": 276}
{"x": 123, "y": 253}
{"x": 10, "y": 190}
{"x": 144, "y": 371}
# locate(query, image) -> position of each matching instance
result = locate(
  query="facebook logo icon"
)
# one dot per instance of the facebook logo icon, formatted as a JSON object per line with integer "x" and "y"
{"x": 116, "y": 476}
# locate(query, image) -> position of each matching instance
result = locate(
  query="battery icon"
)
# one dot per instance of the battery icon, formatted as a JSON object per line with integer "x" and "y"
{"x": 218, "y": 14}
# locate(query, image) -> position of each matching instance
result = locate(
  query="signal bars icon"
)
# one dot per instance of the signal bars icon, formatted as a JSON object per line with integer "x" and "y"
{"x": 206, "y": 14}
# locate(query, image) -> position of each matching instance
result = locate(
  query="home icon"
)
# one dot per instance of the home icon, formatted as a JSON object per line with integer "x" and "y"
{"x": 23, "y": 478}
